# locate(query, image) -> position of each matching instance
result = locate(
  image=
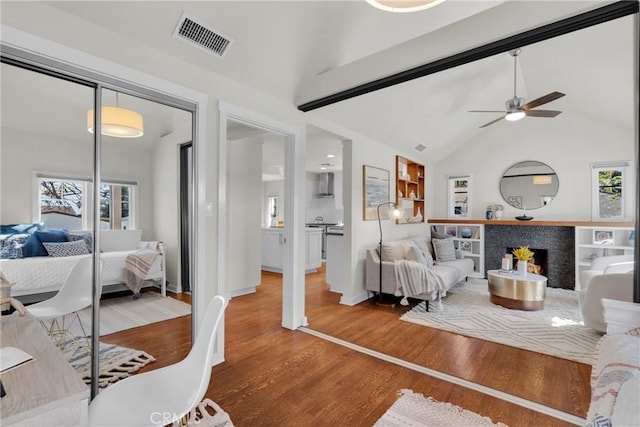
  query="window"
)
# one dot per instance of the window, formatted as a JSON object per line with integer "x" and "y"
{"x": 62, "y": 203}
{"x": 116, "y": 207}
{"x": 66, "y": 202}
{"x": 610, "y": 191}
{"x": 459, "y": 196}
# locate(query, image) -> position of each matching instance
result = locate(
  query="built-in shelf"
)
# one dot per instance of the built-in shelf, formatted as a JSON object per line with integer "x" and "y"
{"x": 468, "y": 239}
{"x": 409, "y": 191}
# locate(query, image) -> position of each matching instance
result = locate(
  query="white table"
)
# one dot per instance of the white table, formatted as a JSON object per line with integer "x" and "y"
{"x": 46, "y": 391}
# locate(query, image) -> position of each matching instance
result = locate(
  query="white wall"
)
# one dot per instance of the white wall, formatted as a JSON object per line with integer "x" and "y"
{"x": 24, "y": 152}
{"x": 244, "y": 215}
{"x": 166, "y": 199}
{"x": 567, "y": 143}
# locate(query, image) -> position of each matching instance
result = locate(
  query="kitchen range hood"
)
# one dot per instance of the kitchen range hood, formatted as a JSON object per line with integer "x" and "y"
{"x": 325, "y": 185}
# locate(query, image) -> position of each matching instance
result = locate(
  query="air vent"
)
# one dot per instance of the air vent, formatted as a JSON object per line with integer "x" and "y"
{"x": 420, "y": 147}
{"x": 201, "y": 36}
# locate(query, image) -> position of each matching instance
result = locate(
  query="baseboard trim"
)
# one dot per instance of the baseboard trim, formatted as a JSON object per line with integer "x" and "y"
{"x": 570, "y": 418}
{"x": 354, "y": 300}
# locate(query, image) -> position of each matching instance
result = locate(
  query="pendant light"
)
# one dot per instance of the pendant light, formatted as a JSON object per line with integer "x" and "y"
{"x": 118, "y": 122}
{"x": 404, "y": 5}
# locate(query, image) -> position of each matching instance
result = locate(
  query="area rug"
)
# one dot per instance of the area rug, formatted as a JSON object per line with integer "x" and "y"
{"x": 413, "y": 409}
{"x": 557, "y": 330}
{"x": 118, "y": 314}
{"x": 116, "y": 362}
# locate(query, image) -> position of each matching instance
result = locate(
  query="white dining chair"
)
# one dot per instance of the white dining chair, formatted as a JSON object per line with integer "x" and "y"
{"x": 74, "y": 295}
{"x": 165, "y": 395}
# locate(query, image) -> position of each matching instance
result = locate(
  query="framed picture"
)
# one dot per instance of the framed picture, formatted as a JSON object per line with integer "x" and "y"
{"x": 464, "y": 246}
{"x": 450, "y": 231}
{"x": 375, "y": 191}
{"x": 515, "y": 201}
{"x": 603, "y": 237}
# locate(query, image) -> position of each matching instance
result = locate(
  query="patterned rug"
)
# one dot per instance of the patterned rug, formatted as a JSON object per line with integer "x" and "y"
{"x": 413, "y": 409}
{"x": 116, "y": 362}
{"x": 557, "y": 330}
{"x": 118, "y": 314}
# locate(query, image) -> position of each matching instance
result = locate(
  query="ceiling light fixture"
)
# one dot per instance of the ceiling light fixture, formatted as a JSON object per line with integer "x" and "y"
{"x": 401, "y": 6}
{"x": 514, "y": 116}
{"x": 542, "y": 179}
{"x": 118, "y": 122}
{"x": 330, "y": 156}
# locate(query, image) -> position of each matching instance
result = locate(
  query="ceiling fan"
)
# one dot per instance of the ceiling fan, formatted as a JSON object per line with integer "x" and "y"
{"x": 516, "y": 109}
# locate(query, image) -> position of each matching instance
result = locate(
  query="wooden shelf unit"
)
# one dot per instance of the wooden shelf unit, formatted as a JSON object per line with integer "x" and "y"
{"x": 409, "y": 190}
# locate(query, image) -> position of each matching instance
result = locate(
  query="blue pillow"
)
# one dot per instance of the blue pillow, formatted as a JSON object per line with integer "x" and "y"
{"x": 21, "y": 228}
{"x": 33, "y": 246}
{"x": 11, "y": 245}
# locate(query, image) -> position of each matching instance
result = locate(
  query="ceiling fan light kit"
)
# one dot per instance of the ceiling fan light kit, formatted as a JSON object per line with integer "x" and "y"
{"x": 516, "y": 109}
{"x": 404, "y": 6}
{"x": 514, "y": 116}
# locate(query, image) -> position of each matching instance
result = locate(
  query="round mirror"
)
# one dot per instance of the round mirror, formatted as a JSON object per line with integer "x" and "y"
{"x": 529, "y": 185}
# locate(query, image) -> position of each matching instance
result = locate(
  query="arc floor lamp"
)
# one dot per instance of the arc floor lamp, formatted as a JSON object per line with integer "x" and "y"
{"x": 396, "y": 214}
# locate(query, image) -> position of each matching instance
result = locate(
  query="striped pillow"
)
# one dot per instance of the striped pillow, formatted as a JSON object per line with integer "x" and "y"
{"x": 78, "y": 247}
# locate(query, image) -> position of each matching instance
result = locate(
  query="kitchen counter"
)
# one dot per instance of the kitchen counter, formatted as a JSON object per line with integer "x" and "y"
{"x": 273, "y": 249}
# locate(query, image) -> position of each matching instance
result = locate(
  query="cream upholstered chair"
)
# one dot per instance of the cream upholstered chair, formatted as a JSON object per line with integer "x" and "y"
{"x": 74, "y": 295}
{"x": 616, "y": 286}
{"x": 606, "y": 265}
{"x": 165, "y": 395}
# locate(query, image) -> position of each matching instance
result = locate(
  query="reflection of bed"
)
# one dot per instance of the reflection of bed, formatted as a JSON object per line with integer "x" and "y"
{"x": 45, "y": 274}
{"x": 37, "y": 275}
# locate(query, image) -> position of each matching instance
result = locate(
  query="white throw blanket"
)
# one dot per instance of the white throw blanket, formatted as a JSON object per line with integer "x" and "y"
{"x": 136, "y": 267}
{"x": 414, "y": 278}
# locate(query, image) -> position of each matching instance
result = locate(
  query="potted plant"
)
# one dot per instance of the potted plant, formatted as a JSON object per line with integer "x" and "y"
{"x": 523, "y": 254}
{"x": 497, "y": 211}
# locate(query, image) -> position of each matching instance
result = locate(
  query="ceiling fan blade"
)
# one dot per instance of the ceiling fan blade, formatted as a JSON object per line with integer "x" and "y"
{"x": 492, "y": 122}
{"x": 486, "y": 111}
{"x": 542, "y": 113}
{"x": 542, "y": 100}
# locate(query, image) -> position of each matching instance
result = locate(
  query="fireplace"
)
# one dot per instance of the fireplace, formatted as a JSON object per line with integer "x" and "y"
{"x": 539, "y": 263}
{"x": 557, "y": 241}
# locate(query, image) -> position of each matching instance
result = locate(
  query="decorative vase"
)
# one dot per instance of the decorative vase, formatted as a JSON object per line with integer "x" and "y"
{"x": 498, "y": 214}
{"x": 465, "y": 233}
{"x": 489, "y": 214}
{"x": 522, "y": 268}
{"x": 418, "y": 217}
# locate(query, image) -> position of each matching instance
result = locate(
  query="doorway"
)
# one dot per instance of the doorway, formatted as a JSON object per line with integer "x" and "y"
{"x": 293, "y": 213}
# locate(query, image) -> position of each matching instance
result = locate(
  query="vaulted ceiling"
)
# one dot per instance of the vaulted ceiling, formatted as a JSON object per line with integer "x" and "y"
{"x": 303, "y": 50}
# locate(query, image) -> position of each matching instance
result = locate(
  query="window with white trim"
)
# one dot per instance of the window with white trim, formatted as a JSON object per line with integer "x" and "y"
{"x": 66, "y": 202}
{"x": 610, "y": 183}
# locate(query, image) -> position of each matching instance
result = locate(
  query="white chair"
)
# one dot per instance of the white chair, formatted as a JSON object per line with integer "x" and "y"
{"x": 615, "y": 286}
{"x": 165, "y": 395}
{"x": 606, "y": 265}
{"x": 74, "y": 295}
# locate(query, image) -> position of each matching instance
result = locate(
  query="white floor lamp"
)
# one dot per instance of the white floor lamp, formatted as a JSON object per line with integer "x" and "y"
{"x": 396, "y": 214}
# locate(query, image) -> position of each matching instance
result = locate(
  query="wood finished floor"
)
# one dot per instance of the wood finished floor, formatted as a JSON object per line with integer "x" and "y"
{"x": 274, "y": 376}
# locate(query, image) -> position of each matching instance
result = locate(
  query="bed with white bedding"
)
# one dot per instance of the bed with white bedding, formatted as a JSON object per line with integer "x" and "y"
{"x": 46, "y": 274}
{"x": 43, "y": 274}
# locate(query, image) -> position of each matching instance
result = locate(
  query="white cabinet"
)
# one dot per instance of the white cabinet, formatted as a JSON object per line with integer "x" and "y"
{"x": 273, "y": 249}
{"x": 468, "y": 240}
{"x": 598, "y": 241}
{"x": 335, "y": 261}
{"x": 313, "y": 245}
